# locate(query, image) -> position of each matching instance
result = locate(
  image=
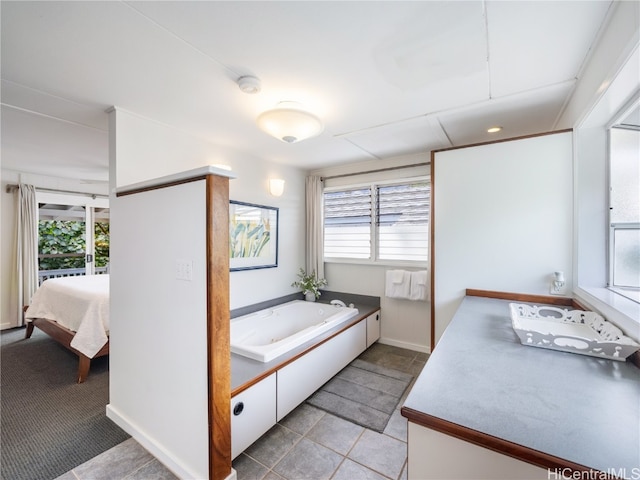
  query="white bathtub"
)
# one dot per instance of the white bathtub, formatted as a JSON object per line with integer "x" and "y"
{"x": 269, "y": 333}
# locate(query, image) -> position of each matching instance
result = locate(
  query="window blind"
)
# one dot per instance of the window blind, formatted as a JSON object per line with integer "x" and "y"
{"x": 347, "y": 223}
{"x": 403, "y": 221}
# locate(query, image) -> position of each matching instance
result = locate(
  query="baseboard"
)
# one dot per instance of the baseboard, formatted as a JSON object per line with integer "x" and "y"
{"x": 163, "y": 456}
{"x": 409, "y": 346}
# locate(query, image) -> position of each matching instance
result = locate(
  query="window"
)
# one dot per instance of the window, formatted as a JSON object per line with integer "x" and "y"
{"x": 624, "y": 211}
{"x": 379, "y": 222}
{"x": 73, "y": 235}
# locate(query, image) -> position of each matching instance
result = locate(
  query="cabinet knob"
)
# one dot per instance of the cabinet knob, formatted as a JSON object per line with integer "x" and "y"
{"x": 377, "y": 317}
{"x": 238, "y": 408}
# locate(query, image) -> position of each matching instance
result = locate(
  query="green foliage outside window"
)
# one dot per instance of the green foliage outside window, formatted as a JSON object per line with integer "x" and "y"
{"x": 66, "y": 238}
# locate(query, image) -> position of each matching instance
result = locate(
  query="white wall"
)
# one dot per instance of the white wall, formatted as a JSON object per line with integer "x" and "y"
{"x": 608, "y": 82}
{"x": 145, "y": 149}
{"x": 503, "y": 219}
{"x": 9, "y": 310}
{"x": 158, "y": 339}
{"x": 405, "y": 323}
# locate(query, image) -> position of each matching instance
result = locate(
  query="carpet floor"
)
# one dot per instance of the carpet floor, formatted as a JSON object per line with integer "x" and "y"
{"x": 48, "y": 423}
{"x": 363, "y": 393}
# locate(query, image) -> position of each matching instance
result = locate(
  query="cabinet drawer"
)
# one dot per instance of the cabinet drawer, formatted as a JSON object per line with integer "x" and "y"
{"x": 253, "y": 412}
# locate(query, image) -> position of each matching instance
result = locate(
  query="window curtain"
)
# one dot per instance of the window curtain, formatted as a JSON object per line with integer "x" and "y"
{"x": 314, "y": 226}
{"x": 27, "y": 246}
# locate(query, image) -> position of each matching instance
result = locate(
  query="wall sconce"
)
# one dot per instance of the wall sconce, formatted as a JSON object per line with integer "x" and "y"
{"x": 558, "y": 284}
{"x": 290, "y": 123}
{"x": 276, "y": 186}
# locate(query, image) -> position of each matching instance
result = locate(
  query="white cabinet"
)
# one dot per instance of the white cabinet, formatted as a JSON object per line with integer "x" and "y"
{"x": 373, "y": 328}
{"x": 253, "y": 412}
{"x": 301, "y": 378}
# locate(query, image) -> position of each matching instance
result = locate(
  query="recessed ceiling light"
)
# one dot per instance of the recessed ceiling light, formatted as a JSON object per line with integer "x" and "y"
{"x": 494, "y": 129}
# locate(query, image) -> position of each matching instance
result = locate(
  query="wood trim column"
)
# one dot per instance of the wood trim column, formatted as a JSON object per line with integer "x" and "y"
{"x": 218, "y": 327}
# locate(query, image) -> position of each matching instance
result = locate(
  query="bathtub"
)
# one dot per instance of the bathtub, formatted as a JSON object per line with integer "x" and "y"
{"x": 269, "y": 333}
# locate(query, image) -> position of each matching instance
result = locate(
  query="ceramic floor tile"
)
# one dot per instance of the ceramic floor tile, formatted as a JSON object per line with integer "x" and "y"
{"x": 397, "y": 426}
{"x": 273, "y": 476}
{"x": 67, "y": 476}
{"x": 350, "y": 470}
{"x": 335, "y": 433}
{"x": 273, "y": 445}
{"x": 404, "y": 474}
{"x": 302, "y": 419}
{"x": 308, "y": 461}
{"x": 248, "y": 469}
{"x": 154, "y": 470}
{"x": 380, "y": 452}
{"x": 117, "y": 462}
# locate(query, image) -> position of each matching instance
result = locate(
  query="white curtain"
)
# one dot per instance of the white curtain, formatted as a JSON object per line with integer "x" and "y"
{"x": 315, "y": 256}
{"x": 27, "y": 246}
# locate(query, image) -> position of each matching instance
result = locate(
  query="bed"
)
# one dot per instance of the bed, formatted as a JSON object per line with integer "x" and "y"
{"x": 74, "y": 311}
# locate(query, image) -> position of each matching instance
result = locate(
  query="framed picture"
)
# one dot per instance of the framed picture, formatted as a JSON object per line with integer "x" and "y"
{"x": 253, "y": 236}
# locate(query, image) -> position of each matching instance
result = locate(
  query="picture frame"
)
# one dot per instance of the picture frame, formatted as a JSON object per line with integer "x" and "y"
{"x": 253, "y": 236}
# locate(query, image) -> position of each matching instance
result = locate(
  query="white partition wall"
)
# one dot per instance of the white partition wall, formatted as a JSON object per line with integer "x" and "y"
{"x": 503, "y": 219}
{"x": 158, "y": 361}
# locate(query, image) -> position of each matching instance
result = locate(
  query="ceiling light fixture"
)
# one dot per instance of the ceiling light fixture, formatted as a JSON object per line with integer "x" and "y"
{"x": 494, "y": 129}
{"x": 249, "y": 84}
{"x": 290, "y": 123}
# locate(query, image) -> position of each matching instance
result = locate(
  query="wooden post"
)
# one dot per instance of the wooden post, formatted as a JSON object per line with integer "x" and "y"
{"x": 218, "y": 327}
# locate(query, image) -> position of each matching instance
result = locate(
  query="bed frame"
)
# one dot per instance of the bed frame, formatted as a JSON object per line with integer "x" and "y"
{"x": 64, "y": 336}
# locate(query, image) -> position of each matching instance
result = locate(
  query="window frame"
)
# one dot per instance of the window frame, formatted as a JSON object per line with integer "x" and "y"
{"x": 374, "y": 251}
{"x": 631, "y": 293}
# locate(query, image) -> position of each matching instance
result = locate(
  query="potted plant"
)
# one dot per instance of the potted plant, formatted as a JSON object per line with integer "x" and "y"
{"x": 309, "y": 284}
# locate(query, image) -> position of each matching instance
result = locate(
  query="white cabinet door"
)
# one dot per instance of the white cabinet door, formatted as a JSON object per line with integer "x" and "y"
{"x": 253, "y": 412}
{"x": 373, "y": 328}
{"x": 301, "y": 378}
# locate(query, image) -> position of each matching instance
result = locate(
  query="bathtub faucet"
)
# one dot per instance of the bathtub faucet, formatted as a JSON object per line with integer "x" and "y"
{"x": 338, "y": 303}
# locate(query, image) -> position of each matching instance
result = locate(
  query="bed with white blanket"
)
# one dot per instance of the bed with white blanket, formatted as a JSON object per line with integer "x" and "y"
{"x": 75, "y": 312}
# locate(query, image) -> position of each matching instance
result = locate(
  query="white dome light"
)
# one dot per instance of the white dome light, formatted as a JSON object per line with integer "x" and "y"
{"x": 289, "y": 123}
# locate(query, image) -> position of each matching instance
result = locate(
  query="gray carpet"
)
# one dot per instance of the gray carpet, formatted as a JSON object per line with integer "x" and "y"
{"x": 363, "y": 393}
{"x": 50, "y": 424}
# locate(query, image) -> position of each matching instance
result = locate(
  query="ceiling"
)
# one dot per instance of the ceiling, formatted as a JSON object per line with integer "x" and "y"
{"x": 386, "y": 78}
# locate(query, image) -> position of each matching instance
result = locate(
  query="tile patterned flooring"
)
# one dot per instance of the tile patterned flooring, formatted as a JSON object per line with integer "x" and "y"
{"x": 307, "y": 444}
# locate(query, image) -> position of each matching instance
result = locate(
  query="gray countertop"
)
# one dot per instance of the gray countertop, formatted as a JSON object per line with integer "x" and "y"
{"x": 582, "y": 409}
{"x": 245, "y": 370}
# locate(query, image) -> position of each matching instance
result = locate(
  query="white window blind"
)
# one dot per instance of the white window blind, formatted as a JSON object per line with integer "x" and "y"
{"x": 347, "y": 223}
{"x": 378, "y": 222}
{"x": 403, "y": 222}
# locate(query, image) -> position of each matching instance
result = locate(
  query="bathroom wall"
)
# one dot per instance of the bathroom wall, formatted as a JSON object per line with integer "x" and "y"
{"x": 145, "y": 149}
{"x": 405, "y": 323}
{"x": 503, "y": 219}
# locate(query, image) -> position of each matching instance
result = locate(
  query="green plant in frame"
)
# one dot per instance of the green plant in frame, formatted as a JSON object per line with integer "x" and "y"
{"x": 249, "y": 236}
{"x": 253, "y": 236}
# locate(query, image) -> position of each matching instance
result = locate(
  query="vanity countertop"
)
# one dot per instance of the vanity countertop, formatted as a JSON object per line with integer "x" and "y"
{"x": 581, "y": 409}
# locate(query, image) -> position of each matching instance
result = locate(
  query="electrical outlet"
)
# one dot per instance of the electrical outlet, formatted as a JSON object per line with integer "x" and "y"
{"x": 184, "y": 270}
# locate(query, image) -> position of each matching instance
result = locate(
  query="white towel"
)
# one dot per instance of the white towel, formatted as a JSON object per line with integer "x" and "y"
{"x": 419, "y": 290}
{"x": 397, "y": 276}
{"x": 394, "y": 289}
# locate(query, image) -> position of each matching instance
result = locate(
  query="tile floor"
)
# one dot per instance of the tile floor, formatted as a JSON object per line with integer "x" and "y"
{"x": 307, "y": 444}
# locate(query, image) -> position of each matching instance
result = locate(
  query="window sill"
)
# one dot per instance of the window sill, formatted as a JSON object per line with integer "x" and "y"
{"x": 378, "y": 263}
{"x": 622, "y": 311}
